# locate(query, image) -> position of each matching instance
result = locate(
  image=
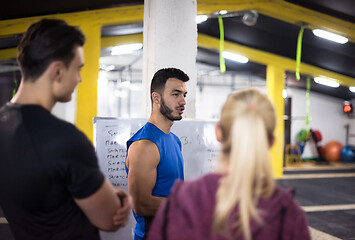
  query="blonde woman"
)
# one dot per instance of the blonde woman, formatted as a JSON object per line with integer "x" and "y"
{"x": 240, "y": 200}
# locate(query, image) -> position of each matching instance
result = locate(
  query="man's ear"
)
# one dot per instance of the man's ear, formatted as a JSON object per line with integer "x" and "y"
{"x": 218, "y": 131}
{"x": 56, "y": 70}
{"x": 156, "y": 97}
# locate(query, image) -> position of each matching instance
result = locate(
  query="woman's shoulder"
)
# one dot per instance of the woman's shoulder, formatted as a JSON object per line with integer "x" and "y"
{"x": 207, "y": 181}
{"x": 197, "y": 190}
{"x": 281, "y": 202}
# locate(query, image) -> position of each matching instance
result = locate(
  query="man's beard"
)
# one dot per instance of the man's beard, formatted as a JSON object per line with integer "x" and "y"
{"x": 166, "y": 112}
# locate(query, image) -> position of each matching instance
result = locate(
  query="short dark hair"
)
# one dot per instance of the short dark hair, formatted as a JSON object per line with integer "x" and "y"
{"x": 44, "y": 42}
{"x": 162, "y": 75}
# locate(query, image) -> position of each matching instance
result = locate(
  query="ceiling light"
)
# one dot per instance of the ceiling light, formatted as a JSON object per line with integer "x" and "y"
{"x": 327, "y": 82}
{"x": 330, "y": 36}
{"x": 223, "y": 12}
{"x": 109, "y": 68}
{"x": 352, "y": 89}
{"x": 284, "y": 93}
{"x": 126, "y": 49}
{"x": 201, "y": 18}
{"x": 235, "y": 57}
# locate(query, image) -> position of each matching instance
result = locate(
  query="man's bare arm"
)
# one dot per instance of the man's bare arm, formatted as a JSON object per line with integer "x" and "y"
{"x": 142, "y": 161}
{"x": 101, "y": 207}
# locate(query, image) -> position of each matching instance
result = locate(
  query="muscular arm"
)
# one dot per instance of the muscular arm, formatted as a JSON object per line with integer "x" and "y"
{"x": 142, "y": 161}
{"x": 101, "y": 207}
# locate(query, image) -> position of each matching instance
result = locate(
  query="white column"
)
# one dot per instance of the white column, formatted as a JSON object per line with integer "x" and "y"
{"x": 170, "y": 40}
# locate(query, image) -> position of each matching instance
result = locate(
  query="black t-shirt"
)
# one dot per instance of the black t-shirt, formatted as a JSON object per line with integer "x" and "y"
{"x": 45, "y": 163}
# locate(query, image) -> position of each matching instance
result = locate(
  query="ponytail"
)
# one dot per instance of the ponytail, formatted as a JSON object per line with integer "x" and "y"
{"x": 249, "y": 174}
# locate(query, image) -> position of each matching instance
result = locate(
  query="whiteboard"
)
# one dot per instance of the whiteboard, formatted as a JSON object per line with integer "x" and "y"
{"x": 200, "y": 150}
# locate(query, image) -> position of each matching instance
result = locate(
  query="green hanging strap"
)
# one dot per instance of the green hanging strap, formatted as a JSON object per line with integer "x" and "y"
{"x": 308, "y": 117}
{"x": 222, "y": 64}
{"x": 298, "y": 53}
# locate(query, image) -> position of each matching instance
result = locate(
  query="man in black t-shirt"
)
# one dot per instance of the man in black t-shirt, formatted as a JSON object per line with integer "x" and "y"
{"x": 50, "y": 183}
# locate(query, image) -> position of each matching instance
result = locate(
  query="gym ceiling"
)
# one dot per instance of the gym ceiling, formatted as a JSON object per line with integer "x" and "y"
{"x": 275, "y": 32}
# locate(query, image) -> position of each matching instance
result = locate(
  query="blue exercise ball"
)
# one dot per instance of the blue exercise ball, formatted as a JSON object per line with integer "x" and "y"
{"x": 348, "y": 153}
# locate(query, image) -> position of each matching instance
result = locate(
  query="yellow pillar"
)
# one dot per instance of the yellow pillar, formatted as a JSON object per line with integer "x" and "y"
{"x": 87, "y": 89}
{"x": 275, "y": 83}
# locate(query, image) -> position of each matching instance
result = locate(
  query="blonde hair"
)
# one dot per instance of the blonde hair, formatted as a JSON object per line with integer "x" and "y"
{"x": 247, "y": 123}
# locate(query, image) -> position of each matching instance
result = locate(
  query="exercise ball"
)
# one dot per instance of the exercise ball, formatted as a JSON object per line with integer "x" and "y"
{"x": 321, "y": 151}
{"x": 302, "y": 135}
{"x": 347, "y": 153}
{"x": 317, "y": 135}
{"x": 332, "y": 151}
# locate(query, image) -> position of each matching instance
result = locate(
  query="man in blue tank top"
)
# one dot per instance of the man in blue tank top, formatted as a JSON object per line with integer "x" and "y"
{"x": 154, "y": 160}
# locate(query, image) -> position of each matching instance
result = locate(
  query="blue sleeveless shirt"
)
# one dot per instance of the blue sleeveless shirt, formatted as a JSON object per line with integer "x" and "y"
{"x": 170, "y": 166}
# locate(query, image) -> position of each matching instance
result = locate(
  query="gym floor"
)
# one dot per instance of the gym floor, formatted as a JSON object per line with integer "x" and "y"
{"x": 326, "y": 193}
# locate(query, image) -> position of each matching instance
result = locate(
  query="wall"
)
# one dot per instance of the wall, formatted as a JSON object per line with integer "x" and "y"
{"x": 326, "y": 115}
{"x": 326, "y": 112}
{"x": 351, "y": 121}
{"x": 214, "y": 90}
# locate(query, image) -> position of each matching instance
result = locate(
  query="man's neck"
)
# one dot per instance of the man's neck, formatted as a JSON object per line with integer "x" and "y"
{"x": 161, "y": 122}
{"x": 33, "y": 93}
